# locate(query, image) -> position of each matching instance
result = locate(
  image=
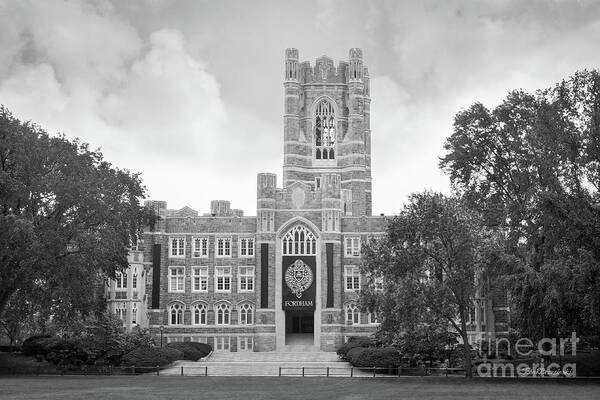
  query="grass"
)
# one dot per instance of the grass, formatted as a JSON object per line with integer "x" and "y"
{"x": 149, "y": 388}
{"x": 18, "y": 361}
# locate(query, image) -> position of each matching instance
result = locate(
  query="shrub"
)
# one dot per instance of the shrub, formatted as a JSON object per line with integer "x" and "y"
{"x": 354, "y": 342}
{"x": 32, "y": 346}
{"x": 189, "y": 350}
{"x": 192, "y": 351}
{"x": 151, "y": 356}
{"x": 203, "y": 348}
{"x": 137, "y": 338}
{"x": 381, "y": 357}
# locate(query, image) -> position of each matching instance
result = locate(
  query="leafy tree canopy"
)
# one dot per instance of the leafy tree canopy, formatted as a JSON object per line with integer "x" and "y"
{"x": 67, "y": 218}
{"x": 434, "y": 260}
{"x": 531, "y": 166}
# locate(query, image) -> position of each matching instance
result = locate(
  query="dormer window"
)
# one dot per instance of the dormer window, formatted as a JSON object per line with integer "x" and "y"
{"x": 325, "y": 133}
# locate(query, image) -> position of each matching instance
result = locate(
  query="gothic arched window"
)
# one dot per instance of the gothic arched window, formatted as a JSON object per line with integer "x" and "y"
{"x": 176, "y": 314}
{"x": 200, "y": 311}
{"x": 352, "y": 314}
{"x": 325, "y": 133}
{"x": 299, "y": 241}
{"x": 246, "y": 312}
{"x": 222, "y": 314}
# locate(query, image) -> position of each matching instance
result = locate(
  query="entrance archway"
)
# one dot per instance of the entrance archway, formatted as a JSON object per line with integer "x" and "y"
{"x": 299, "y": 283}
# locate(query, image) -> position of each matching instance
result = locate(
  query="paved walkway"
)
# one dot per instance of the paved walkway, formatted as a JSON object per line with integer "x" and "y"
{"x": 315, "y": 363}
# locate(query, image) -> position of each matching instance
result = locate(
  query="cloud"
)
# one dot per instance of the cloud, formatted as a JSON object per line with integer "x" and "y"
{"x": 169, "y": 104}
{"x": 78, "y": 68}
{"x": 405, "y": 145}
{"x": 189, "y": 93}
{"x": 445, "y": 56}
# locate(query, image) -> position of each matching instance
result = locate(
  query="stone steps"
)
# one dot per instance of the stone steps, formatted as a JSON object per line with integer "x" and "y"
{"x": 264, "y": 368}
{"x": 288, "y": 363}
{"x": 291, "y": 355}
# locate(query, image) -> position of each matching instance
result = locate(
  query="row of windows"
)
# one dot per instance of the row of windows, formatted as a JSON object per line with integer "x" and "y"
{"x": 245, "y": 314}
{"x": 298, "y": 240}
{"x": 221, "y": 343}
{"x": 222, "y": 314}
{"x": 121, "y": 312}
{"x": 200, "y": 247}
{"x": 352, "y": 315}
{"x": 121, "y": 280}
{"x": 352, "y": 280}
{"x": 223, "y": 279}
{"x": 222, "y": 276}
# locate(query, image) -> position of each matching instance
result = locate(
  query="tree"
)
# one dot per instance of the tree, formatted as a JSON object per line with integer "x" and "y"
{"x": 531, "y": 166}
{"x": 17, "y": 319}
{"x": 434, "y": 261}
{"x": 67, "y": 218}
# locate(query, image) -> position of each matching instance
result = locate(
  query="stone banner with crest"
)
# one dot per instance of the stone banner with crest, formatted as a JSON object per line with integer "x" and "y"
{"x": 299, "y": 282}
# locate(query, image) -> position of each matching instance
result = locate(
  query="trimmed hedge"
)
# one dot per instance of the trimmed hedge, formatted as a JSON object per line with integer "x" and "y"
{"x": 192, "y": 351}
{"x": 203, "y": 348}
{"x": 354, "y": 342}
{"x": 32, "y": 346}
{"x": 152, "y": 356}
{"x": 381, "y": 357}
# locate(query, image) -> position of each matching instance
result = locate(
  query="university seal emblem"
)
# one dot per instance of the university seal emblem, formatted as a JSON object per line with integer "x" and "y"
{"x": 298, "y": 277}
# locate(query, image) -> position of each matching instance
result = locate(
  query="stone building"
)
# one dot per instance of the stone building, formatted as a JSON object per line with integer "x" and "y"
{"x": 126, "y": 296}
{"x": 290, "y": 274}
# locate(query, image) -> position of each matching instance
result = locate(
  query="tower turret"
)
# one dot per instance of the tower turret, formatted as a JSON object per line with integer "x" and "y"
{"x": 356, "y": 65}
{"x": 291, "y": 65}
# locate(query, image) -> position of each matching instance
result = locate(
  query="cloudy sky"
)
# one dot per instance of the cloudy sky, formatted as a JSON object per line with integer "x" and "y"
{"x": 189, "y": 93}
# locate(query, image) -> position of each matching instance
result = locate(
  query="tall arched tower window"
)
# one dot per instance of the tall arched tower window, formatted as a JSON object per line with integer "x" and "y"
{"x": 299, "y": 241}
{"x": 325, "y": 131}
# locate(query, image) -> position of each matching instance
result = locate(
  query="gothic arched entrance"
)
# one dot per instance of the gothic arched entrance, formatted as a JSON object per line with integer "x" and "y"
{"x": 299, "y": 277}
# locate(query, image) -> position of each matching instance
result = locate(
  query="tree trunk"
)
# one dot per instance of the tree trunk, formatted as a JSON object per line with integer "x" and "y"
{"x": 466, "y": 346}
{"x": 5, "y": 294}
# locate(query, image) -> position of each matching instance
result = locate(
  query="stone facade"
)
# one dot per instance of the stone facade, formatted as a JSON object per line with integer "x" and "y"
{"x": 325, "y": 201}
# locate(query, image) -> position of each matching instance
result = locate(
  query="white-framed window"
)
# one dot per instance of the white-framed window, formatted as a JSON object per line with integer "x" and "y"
{"x": 246, "y": 314}
{"x": 245, "y": 343}
{"x": 199, "y": 279}
{"x": 177, "y": 247}
{"x": 176, "y": 314}
{"x": 352, "y": 314}
{"x": 134, "y": 313}
{"x": 222, "y": 343}
{"x": 378, "y": 282}
{"x": 471, "y": 315}
{"x": 134, "y": 279}
{"x": 223, "y": 313}
{"x": 177, "y": 279}
{"x": 372, "y": 318}
{"x": 223, "y": 247}
{"x": 246, "y": 279}
{"x": 299, "y": 241}
{"x": 351, "y": 278}
{"x": 175, "y": 339}
{"x": 246, "y": 247}
{"x": 121, "y": 280}
{"x": 222, "y": 279}
{"x": 352, "y": 246}
{"x": 199, "y": 247}
{"x": 199, "y": 313}
{"x": 121, "y": 311}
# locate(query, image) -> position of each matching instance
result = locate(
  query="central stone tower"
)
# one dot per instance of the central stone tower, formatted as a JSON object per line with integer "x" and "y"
{"x": 327, "y": 127}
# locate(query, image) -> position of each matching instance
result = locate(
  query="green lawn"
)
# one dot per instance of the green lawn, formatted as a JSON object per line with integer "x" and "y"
{"x": 149, "y": 387}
